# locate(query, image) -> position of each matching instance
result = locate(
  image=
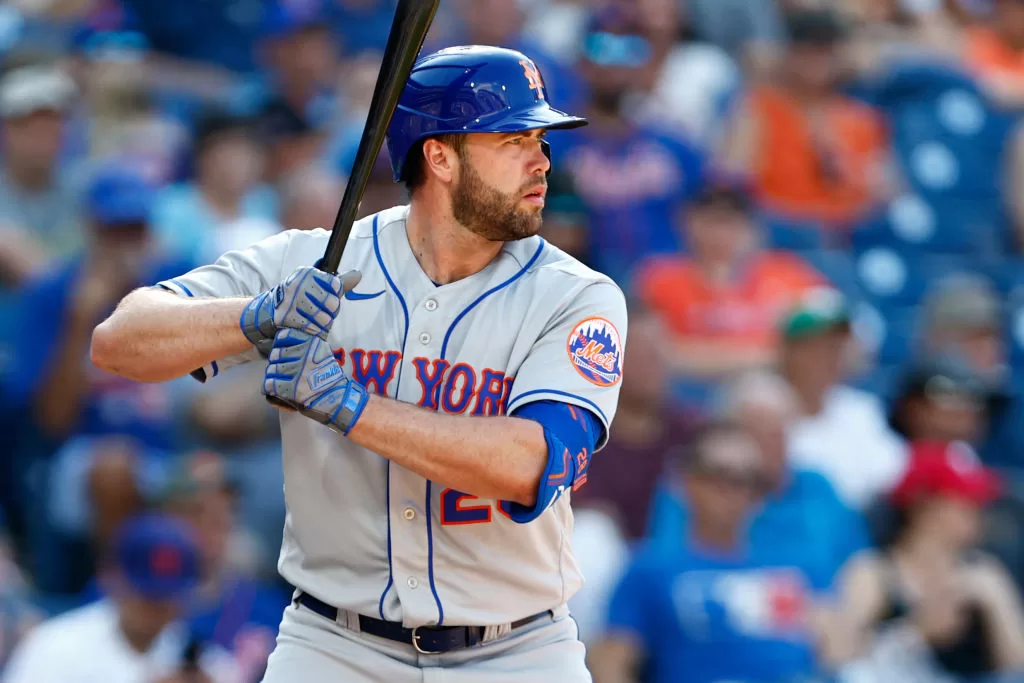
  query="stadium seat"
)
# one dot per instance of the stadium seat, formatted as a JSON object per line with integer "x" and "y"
{"x": 893, "y": 279}
{"x": 838, "y": 266}
{"x": 914, "y": 223}
{"x": 782, "y": 233}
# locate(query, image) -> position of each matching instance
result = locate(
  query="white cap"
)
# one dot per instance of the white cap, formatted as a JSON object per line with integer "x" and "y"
{"x": 34, "y": 88}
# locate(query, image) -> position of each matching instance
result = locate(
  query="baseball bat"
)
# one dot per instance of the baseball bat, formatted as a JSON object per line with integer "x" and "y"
{"x": 408, "y": 31}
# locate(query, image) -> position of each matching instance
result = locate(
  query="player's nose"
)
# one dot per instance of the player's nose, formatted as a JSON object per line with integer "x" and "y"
{"x": 539, "y": 161}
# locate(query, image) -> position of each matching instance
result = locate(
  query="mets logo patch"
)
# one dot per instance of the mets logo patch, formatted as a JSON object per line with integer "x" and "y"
{"x": 596, "y": 351}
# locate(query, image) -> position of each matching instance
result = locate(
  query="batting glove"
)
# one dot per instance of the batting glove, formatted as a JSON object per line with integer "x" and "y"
{"x": 303, "y": 375}
{"x": 309, "y": 301}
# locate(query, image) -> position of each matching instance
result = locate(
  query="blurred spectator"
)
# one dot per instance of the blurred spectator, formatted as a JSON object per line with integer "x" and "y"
{"x": 816, "y": 154}
{"x": 939, "y": 399}
{"x": 995, "y": 52}
{"x": 841, "y": 431}
{"x": 962, "y": 316}
{"x": 747, "y": 29}
{"x": 300, "y": 56}
{"x": 58, "y": 311}
{"x": 135, "y": 634}
{"x": 712, "y": 608}
{"x": 310, "y": 199}
{"x": 929, "y": 604}
{"x": 690, "y": 80}
{"x": 293, "y": 140}
{"x": 721, "y": 301}
{"x": 38, "y": 202}
{"x": 118, "y": 114}
{"x": 500, "y": 22}
{"x": 72, "y": 408}
{"x": 225, "y": 206}
{"x": 629, "y": 177}
{"x": 801, "y": 515}
{"x": 229, "y": 609}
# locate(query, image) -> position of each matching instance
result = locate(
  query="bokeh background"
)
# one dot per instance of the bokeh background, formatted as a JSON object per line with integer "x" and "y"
{"x": 815, "y": 207}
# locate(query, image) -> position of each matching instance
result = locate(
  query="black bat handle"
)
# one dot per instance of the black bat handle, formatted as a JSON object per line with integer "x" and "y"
{"x": 408, "y": 31}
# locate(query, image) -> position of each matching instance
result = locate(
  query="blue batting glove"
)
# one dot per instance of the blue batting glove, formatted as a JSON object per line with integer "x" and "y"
{"x": 309, "y": 301}
{"x": 303, "y": 375}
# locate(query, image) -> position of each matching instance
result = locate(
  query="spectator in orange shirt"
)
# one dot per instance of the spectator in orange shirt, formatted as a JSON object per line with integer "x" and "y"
{"x": 995, "y": 52}
{"x": 721, "y": 302}
{"x": 816, "y": 155}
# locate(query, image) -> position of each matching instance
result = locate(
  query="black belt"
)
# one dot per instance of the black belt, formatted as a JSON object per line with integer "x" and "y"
{"x": 428, "y": 640}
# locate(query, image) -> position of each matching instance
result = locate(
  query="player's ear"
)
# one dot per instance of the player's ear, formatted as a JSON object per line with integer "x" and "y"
{"x": 439, "y": 159}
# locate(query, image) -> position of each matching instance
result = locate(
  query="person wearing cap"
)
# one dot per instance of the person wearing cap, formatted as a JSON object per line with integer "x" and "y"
{"x": 841, "y": 431}
{"x": 39, "y": 203}
{"x": 928, "y": 601}
{"x": 714, "y": 607}
{"x": 629, "y": 176}
{"x": 134, "y": 635}
{"x": 721, "y": 299}
{"x": 72, "y": 407}
{"x": 964, "y": 320}
{"x": 817, "y": 155}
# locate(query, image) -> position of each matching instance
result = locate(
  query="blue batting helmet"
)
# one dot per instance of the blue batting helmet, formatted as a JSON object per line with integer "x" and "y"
{"x": 471, "y": 89}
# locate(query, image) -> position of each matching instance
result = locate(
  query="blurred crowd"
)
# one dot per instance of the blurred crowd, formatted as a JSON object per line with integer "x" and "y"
{"x": 815, "y": 208}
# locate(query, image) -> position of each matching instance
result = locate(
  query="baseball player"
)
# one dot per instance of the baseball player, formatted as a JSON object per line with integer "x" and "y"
{"x": 442, "y": 396}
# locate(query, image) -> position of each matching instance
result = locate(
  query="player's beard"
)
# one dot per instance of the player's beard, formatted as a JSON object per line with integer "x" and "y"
{"x": 489, "y": 213}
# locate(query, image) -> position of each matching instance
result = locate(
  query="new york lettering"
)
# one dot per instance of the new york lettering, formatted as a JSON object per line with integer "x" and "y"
{"x": 455, "y": 389}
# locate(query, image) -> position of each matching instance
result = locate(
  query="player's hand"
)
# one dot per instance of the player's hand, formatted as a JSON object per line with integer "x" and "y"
{"x": 303, "y": 375}
{"x": 309, "y": 301}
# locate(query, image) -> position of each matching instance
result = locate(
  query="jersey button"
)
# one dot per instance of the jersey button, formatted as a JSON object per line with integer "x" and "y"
{"x": 409, "y": 513}
{"x": 412, "y": 582}
{"x": 424, "y": 338}
{"x": 430, "y": 305}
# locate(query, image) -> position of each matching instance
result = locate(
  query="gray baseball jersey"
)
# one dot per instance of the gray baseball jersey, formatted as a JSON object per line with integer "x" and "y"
{"x": 364, "y": 534}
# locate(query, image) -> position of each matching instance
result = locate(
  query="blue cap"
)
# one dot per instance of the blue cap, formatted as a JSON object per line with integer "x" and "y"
{"x": 110, "y": 32}
{"x": 157, "y": 557}
{"x": 120, "y": 194}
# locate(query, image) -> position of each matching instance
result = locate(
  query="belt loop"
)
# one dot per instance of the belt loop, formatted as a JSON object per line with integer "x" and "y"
{"x": 349, "y": 619}
{"x": 496, "y": 631}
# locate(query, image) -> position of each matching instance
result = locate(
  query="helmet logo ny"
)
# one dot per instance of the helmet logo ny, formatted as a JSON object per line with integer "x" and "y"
{"x": 533, "y": 77}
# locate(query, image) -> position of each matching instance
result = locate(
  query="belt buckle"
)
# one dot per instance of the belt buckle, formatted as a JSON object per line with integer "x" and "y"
{"x": 416, "y": 643}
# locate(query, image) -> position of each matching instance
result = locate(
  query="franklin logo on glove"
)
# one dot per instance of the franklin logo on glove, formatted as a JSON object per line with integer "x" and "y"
{"x": 328, "y": 375}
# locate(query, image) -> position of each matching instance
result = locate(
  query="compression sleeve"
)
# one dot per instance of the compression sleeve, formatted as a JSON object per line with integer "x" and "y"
{"x": 571, "y": 434}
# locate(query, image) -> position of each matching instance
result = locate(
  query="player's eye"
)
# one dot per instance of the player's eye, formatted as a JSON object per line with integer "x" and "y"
{"x": 518, "y": 140}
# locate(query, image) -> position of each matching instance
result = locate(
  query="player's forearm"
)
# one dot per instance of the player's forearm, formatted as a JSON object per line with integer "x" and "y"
{"x": 501, "y": 458}
{"x": 155, "y": 336}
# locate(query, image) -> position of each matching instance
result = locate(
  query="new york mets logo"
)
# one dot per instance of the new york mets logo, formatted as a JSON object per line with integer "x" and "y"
{"x": 596, "y": 351}
{"x": 533, "y": 77}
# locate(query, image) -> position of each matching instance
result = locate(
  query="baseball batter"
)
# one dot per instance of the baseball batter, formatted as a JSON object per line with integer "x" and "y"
{"x": 441, "y": 397}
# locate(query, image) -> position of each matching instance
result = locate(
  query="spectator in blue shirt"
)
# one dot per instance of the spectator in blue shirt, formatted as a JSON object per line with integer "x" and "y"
{"x": 629, "y": 178}
{"x": 225, "y": 206}
{"x": 75, "y": 409}
{"x": 715, "y": 607}
{"x": 801, "y": 514}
